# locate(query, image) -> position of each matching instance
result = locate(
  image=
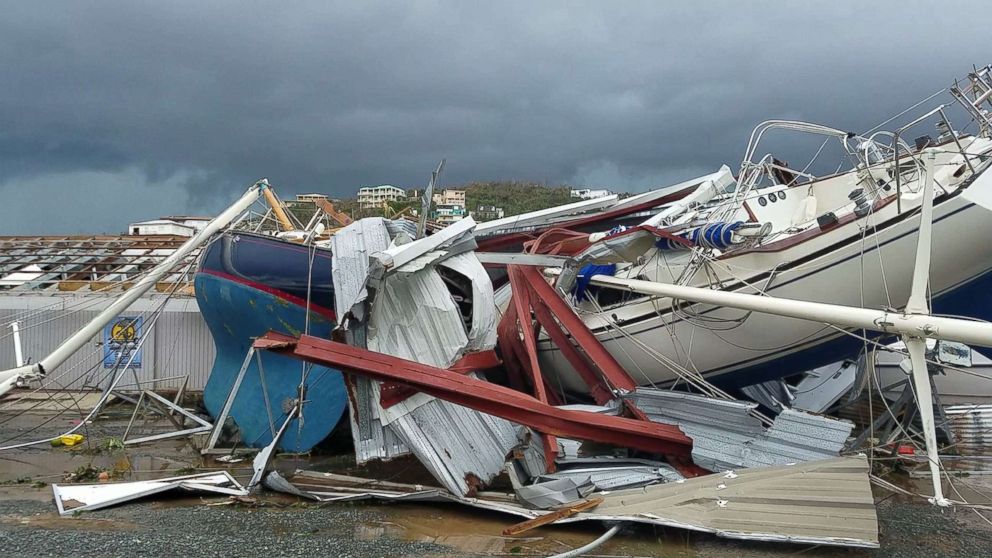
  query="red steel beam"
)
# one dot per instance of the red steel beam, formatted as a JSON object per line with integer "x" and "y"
{"x": 597, "y": 388}
{"x": 492, "y": 399}
{"x": 509, "y": 346}
{"x": 522, "y": 302}
{"x": 615, "y": 375}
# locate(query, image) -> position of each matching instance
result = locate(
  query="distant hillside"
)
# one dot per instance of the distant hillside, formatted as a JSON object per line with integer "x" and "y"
{"x": 513, "y": 196}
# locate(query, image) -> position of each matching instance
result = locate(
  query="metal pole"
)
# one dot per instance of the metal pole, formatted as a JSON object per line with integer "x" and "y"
{"x": 916, "y": 344}
{"x": 82, "y": 337}
{"x": 957, "y": 142}
{"x": 18, "y": 354}
{"x": 951, "y": 329}
{"x": 222, "y": 417}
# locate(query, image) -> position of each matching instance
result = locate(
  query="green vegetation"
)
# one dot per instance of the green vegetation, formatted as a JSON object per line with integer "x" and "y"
{"x": 514, "y": 197}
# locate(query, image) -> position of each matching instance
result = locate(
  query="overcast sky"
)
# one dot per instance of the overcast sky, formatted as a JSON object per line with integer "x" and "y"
{"x": 116, "y": 113}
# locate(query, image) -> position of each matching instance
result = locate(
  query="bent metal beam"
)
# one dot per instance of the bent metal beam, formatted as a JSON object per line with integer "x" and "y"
{"x": 483, "y": 396}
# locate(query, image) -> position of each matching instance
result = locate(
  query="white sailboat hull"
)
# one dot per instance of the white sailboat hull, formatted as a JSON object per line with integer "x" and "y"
{"x": 841, "y": 266}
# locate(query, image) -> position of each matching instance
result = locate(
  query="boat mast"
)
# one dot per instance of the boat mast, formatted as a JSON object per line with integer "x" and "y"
{"x": 277, "y": 208}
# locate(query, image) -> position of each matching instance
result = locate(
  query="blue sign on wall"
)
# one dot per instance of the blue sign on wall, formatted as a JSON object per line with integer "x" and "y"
{"x": 120, "y": 341}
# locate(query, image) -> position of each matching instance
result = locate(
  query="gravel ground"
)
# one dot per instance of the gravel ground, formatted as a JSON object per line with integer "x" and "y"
{"x": 28, "y": 528}
{"x": 914, "y": 529}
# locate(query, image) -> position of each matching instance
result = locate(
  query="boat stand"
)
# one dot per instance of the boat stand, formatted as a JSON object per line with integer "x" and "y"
{"x": 149, "y": 401}
{"x": 210, "y": 448}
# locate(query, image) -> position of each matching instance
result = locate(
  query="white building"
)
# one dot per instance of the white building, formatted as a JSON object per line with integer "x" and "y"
{"x": 377, "y": 196}
{"x": 588, "y": 194}
{"x": 177, "y": 225}
{"x": 312, "y": 198}
{"x": 450, "y": 197}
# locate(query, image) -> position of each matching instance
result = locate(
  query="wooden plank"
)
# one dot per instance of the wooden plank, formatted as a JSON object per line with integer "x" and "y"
{"x": 551, "y": 517}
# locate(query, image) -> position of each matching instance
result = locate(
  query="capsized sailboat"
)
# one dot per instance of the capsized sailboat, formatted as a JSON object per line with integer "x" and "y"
{"x": 847, "y": 238}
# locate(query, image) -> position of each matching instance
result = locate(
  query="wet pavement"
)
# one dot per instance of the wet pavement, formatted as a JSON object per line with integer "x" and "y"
{"x": 279, "y": 525}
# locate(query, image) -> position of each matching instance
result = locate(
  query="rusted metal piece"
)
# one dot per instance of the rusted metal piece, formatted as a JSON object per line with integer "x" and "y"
{"x": 551, "y": 517}
{"x": 493, "y": 399}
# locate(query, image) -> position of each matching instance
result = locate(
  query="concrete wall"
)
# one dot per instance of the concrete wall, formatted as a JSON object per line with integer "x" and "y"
{"x": 178, "y": 344}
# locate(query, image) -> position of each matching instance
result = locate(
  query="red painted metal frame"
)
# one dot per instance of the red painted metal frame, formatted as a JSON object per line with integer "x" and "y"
{"x": 391, "y": 393}
{"x": 594, "y": 364}
{"x": 613, "y": 373}
{"x": 488, "y": 398}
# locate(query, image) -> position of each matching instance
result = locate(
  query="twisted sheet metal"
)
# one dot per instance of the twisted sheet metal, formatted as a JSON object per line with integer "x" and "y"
{"x": 725, "y": 435}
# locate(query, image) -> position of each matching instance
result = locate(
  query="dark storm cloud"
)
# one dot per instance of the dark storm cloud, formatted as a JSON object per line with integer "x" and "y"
{"x": 111, "y": 113}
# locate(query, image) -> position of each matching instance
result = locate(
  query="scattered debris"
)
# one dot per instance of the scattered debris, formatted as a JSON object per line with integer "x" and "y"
{"x": 825, "y": 502}
{"x": 74, "y": 498}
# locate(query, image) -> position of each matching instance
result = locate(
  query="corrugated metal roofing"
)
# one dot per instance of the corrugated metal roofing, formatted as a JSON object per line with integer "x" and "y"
{"x": 726, "y": 436}
{"x": 414, "y": 317}
{"x": 350, "y": 251}
{"x": 616, "y": 474}
{"x": 972, "y": 429}
{"x": 179, "y": 344}
{"x": 718, "y": 428}
{"x": 797, "y": 436}
{"x": 463, "y": 449}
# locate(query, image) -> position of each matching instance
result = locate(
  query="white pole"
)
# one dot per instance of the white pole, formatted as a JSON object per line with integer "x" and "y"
{"x": 920, "y": 325}
{"x": 916, "y": 344}
{"x": 18, "y": 353}
{"x": 81, "y": 337}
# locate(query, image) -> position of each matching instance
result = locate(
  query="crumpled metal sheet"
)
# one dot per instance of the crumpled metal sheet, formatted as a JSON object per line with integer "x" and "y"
{"x": 414, "y": 316}
{"x": 725, "y": 436}
{"x": 370, "y": 438}
{"x": 73, "y": 498}
{"x": 718, "y": 428}
{"x": 482, "y": 334}
{"x": 773, "y": 394}
{"x": 397, "y": 226}
{"x": 971, "y": 426}
{"x": 795, "y": 437}
{"x": 350, "y": 251}
{"x": 553, "y": 492}
{"x": 615, "y": 473}
{"x": 463, "y": 449}
{"x": 352, "y": 247}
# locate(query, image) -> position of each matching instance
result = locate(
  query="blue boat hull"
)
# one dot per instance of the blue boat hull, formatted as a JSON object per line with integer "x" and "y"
{"x": 235, "y": 292}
